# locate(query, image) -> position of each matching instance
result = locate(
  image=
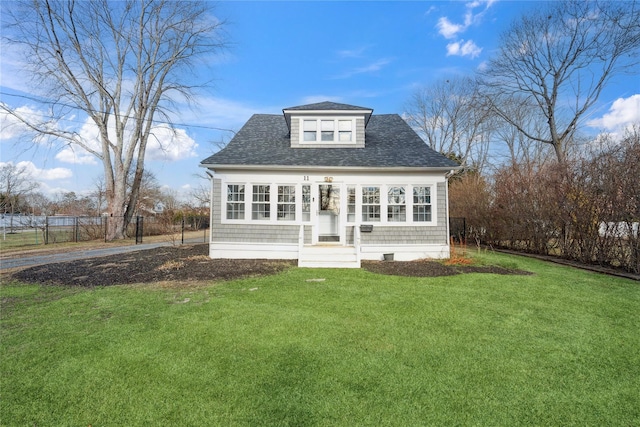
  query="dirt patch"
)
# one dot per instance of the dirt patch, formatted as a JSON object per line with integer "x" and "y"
{"x": 426, "y": 268}
{"x": 182, "y": 264}
{"x": 190, "y": 263}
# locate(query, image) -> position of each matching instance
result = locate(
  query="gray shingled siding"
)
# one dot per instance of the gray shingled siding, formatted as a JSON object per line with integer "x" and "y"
{"x": 295, "y": 133}
{"x": 360, "y": 142}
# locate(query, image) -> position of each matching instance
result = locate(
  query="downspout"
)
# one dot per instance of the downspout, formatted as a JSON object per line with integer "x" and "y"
{"x": 210, "y": 210}
{"x": 446, "y": 198}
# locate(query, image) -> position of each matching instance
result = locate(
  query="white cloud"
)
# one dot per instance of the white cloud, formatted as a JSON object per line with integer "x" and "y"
{"x": 170, "y": 145}
{"x": 448, "y": 29}
{"x": 622, "y": 113}
{"x": 11, "y": 127}
{"x": 461, "y": 48}
{"x": 76, "y": 155}
{"x": 164, "y": 144}
{"x": 35, "y": 173}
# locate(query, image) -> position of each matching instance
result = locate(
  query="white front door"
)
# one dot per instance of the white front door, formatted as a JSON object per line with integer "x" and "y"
{"x": 327, "y": 204}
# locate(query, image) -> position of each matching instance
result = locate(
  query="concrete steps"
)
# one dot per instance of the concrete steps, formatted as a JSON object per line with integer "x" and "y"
{"x": 328, "y": 256}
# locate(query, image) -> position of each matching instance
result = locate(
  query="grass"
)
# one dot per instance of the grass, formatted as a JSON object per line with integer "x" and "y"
{"x": 560, "y": 347}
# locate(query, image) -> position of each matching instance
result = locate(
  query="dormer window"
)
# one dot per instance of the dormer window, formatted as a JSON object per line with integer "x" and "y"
{"x": 328, "y": 130}
{"x": 310, "y": 129}
{"x": 345, "y": 130}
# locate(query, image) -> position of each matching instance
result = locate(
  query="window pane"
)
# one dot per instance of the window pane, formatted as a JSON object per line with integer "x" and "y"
{"x": 351, "y": 204}
{"x": 396, "y": 209}
{"x": 327, "y": 125}
{"x": 310, "y": 128}
{"x": 421, "y": 194}
{"x": 309, "y": 136}
{"x": 306, "y": 203}
{"x": 327, "y": 135}
{"x": 422, "y": 213}
{"x": 260, "y": 208}
{"x": 286, "y": 203}
{"x": 396, "y": 195}
{"x": 396, "y": 213}
{"x": 345, "y": 136}
{"x": 422, "y": 204}
{"x": 370, "y": 204}
{"x": 370, "y": 213}
{"x": 344, "y": 125}
{"x": 235, "y": 201}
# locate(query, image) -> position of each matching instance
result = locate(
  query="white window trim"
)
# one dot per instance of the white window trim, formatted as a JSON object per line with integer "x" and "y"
{"x": 336, "y": 130}
{"x": 358, "y": 188}
{"x": 224, "y": 201}
{"x": 384, "y": 204}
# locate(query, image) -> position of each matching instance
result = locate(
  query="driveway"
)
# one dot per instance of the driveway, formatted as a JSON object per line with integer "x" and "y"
{"x": 29, "y": 261}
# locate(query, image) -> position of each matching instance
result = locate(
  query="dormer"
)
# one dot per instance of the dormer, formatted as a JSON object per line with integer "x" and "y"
{"x": 327, "y": 125}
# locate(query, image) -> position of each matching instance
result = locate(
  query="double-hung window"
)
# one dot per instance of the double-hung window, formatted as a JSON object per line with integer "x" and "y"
{"x": 235, "y": 201}
{"x": 310, "y": 130}
{"x": 327, "y": 130}
{"x": 286, "y": 203}
{"x": 261, "y": 206}
{"x": 306, "y": 203}
{"x": 351, "y": 204}
{"x": 345, "y": 130}
{"x": 421, "y": 204}
{"x": 396, "y": 204}
{"x": 370, "y": 204}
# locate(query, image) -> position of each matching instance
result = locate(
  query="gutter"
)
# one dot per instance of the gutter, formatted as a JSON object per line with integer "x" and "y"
{"x": 449, "y": 170}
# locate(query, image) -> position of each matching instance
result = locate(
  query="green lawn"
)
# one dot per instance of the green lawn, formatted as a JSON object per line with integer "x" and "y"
{"x": 561, "y": 347}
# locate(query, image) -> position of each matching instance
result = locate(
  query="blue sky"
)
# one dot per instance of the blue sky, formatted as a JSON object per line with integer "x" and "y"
{"x": 283, "y": 54}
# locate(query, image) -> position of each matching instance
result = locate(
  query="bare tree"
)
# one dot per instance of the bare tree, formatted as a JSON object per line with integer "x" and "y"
{"x": 124, "y": 64}
{"x": 15, "y": 184}
{"x": 450, "y": 117}
{"x": 558, "y": 59}
{"x": 520, "y": 148}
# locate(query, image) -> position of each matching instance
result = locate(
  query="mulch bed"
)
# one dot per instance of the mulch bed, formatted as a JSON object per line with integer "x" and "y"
{"x": 426, "y": 268}
{"x": 192, "y": 263}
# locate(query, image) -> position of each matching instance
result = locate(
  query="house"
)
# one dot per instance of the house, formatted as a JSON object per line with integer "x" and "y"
{"x": 328, "y": 184}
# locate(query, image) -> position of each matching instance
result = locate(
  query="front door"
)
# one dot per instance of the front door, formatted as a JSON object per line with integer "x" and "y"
{"x": 328, "y": 208}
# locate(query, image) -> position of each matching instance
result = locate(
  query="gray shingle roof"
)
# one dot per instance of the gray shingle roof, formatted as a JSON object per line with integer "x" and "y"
{"x": 389, "y": 142}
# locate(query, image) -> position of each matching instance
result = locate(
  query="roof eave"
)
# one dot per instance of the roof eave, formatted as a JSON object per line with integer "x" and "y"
{"x": 288, "y": 113}
{"x": 293, "y": 168}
